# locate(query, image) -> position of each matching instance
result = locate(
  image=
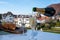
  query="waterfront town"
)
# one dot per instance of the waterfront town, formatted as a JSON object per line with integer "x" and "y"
{"x": 38, "y": 21}
{"x": 29, "y": 20}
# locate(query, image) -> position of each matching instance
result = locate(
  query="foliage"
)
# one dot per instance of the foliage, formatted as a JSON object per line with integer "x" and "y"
{"x": 57, "y": 24}
{"x": 0, "y": 16}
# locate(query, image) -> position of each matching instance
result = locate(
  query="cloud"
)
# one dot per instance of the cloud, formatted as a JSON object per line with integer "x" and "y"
{"x": 3, "y": 2}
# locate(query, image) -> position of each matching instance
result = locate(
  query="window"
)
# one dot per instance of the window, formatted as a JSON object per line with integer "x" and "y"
{"x": 27, "y": 19}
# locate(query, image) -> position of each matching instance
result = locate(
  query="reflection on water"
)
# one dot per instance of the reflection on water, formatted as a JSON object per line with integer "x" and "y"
{"x": 35, "y": 35}
{"x": 4, "y": 33}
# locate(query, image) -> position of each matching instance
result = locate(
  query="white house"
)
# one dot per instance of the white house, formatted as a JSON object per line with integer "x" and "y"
{"x": 22, "y": 20}
{"x": 7, "y": 18}
{"x": 27, "y": 22}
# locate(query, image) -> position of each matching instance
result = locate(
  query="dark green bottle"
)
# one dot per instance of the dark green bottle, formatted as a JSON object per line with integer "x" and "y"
{"x": 49, "y": 11}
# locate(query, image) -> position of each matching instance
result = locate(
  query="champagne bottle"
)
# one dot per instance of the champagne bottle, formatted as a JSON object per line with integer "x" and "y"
{"x": 49, "y": 11}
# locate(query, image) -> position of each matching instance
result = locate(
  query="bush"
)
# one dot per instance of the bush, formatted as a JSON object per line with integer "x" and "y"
{"x": 57, "y": 24}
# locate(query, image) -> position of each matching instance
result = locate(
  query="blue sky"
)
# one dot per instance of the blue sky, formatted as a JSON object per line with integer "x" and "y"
{"x": 23, "y": 6}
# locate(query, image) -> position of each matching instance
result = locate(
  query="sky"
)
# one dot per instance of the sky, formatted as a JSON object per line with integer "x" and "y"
{"x": 24, "y": 6}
